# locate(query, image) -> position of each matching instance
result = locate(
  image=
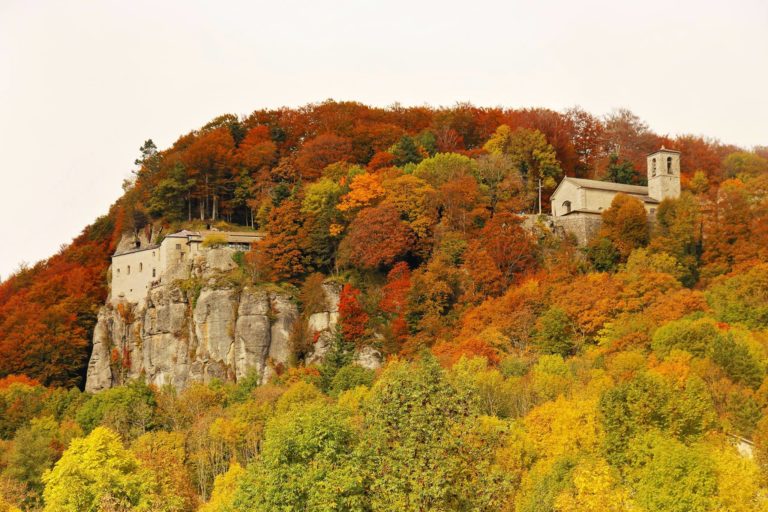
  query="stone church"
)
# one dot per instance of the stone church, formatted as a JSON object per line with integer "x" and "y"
{"x": 577, "y": 204}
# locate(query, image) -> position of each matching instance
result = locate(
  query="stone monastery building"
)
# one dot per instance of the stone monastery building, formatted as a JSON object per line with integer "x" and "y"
{"x": 577, "y": 204}
{"x": 136, "y": 270}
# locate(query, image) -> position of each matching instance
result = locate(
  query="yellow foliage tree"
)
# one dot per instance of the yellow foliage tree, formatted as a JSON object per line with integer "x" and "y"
{"x": 564, "y": 427}
{"x": 595, "y": 489}
{"x": 224, "y": 488}
{"x": 96, "y": 473}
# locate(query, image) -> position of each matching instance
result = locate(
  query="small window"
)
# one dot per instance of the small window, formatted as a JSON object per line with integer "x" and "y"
{"x": 178, "y": 247}
{"x": 118, "y": 271}
{"x": 669, "y": 165}
{"x": 653, "y": 211}
{"x": 154, "y": 272}
{"x": 567, "y": 206}
{"x": 153, "y": 254}
{"x": 141, "y": 267}
{"x": 653, "y": 167}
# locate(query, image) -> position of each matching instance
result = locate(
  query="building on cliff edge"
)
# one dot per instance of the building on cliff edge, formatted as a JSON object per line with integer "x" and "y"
{"x": 577, "y": 204}
{"x": 137, "y": 269}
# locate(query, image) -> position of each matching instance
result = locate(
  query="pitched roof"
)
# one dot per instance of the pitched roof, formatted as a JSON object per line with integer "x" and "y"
{"x": 183, "y": 234}
{"x": 608, "y": 185}
{"x": 140, "y": 249}
{"x": 638, "y": 191}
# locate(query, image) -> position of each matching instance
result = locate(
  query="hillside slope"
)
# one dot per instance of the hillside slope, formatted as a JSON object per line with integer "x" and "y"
{"x": 521, "y": 371}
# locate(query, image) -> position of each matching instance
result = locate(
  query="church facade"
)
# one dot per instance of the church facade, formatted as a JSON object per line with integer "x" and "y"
{"x": 577, "y": 204}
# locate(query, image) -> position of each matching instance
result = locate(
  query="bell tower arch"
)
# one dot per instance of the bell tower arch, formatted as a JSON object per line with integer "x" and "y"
{"x": 664, "y": 174}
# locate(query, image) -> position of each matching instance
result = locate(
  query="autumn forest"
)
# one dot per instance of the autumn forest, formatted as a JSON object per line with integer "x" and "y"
{"x": 521, "y": 370}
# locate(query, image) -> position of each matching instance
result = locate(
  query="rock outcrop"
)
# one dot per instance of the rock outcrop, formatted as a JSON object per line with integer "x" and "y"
{"x": 200, "y": 329}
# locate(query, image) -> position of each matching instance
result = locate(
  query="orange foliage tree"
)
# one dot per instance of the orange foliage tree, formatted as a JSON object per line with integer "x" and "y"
{"x": 625, "y": 224}
{"x": 280, "y": 255}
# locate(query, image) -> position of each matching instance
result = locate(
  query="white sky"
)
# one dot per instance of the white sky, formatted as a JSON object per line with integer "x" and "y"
{"x": 83, "y": 83}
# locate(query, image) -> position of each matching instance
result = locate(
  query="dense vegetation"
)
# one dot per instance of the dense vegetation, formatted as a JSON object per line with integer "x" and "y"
{"x": 523, "y": 372}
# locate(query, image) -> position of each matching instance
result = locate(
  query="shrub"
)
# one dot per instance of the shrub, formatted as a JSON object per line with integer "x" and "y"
{"x": 214, "y": 240}
{"x": 349, "y": 377}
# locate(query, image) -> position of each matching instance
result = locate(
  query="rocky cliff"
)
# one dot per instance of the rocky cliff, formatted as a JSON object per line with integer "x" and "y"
{"x": 206, "y": 328}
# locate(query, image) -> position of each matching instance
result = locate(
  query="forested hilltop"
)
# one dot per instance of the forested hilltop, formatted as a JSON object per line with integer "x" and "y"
{"x": 523, "y": 372}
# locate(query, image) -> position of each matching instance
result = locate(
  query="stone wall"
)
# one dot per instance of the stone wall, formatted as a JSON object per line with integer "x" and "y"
{"x": 582, "y": 226}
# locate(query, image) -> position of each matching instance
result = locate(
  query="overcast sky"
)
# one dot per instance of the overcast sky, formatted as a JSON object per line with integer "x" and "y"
{"x": 84, "y": 83}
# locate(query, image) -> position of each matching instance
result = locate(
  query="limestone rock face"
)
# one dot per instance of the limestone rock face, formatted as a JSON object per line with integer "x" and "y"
{"x": 179, "y": 335}
{"x": 225, "y": 335}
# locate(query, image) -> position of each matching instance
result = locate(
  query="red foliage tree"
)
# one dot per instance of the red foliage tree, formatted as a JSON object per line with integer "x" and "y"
{"x": 209, "y": 160}
{"x": 47, "y": 312}
{"x": 381, "y": 160}
{"x": 352, "y": 316}
{"x": 320, "y": 152}
{"x": 395, "y": 293}
{"x": 377, "y": 237}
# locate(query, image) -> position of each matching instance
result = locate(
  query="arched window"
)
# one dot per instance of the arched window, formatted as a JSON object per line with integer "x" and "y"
{"x": 567, "y": 206}
{"x": 669, "y": 165}
{"x": 653, "y": 167}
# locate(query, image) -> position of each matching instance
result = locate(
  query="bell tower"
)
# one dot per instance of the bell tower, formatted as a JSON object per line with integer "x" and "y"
{"x": 664, "y": 174}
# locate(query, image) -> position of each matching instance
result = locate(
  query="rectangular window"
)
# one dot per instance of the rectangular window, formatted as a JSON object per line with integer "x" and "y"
{"x": 178, "y": 247}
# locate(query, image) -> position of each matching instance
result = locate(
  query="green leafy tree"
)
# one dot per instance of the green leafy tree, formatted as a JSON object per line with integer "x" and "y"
{"x": 620, "y": 172}
{"x": 406, "y": 151}
{"x": 678, "y": 232}
{"x": 742, "y": 298}
{"x": 412, "y": 449}
{"x": 321, "y": 219}
{"x": 702, "y": 338}
{"x": 349, "y": 377}
{"x": 669, "y": 476}
{"x": 36, "y": 447}
{"x": 307, "y": 463}
{"x": 128, "y": 410}
{"x": 554, "y": 333}
{"x": 171, "y": 198}
{"x": 533, "y": 157}
{"x": 603, "y": 255}
{"x": 648, "y": 402}
{"x": 744, "y": 165}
